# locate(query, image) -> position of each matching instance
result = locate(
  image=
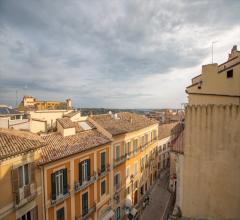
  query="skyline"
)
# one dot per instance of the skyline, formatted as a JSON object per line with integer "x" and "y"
{"x": 138, "y": 54}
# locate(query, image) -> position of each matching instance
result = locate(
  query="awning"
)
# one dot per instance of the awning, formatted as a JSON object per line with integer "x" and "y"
{"x": 133, "y": 211}
{"x": 108, "y": 215}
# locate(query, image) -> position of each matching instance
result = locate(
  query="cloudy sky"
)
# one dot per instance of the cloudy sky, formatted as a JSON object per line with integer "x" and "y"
{"x": 111, "y": 53}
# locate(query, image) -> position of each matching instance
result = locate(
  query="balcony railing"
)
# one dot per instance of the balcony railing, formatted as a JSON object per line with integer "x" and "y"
{"x": 25, "y": 194}
{"x": 87, "y": 213}
{"x": 85, "y": 184}
{"x": 117, "y": 187}
{"x": 119, "y": 160}
{"x": 61, "y": 197}
{"x": 104, "y": 170}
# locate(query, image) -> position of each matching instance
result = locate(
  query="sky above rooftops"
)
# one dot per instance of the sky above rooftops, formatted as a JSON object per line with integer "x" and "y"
{"x": 120, "y": 54}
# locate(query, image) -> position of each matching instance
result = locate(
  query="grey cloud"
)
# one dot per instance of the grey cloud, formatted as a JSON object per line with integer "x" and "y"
{"x": 93, "y": 47}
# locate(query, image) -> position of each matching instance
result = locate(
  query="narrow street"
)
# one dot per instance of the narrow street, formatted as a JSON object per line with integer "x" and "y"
{"x": 159, "y": 198}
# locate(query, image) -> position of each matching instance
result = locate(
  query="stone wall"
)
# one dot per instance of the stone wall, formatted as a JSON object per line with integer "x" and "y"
{"x": 211, "y": 169}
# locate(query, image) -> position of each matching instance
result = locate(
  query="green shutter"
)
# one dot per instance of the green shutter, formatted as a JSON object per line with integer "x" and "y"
{"x": 88, "y": 169}
{"x": 80, "y": 173}
{"x": 65, "y": 190}
{"x": 53, "y": 186}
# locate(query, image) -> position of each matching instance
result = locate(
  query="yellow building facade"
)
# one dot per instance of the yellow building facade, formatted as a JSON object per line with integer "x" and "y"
{"x": 32, "y": 103}
{"x": 134, "y": 159}
{"x": 76, "y": 173}
{"x": 20, "y": 178}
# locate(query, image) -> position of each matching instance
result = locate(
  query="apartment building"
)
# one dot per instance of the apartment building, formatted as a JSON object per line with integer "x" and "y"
{"x": 165, "y": 138}
{"x": 20, "y": 178}
{"x": 133, "y": 154}
{"x": 210, "y": 179}
{"x": 76, "y": 178}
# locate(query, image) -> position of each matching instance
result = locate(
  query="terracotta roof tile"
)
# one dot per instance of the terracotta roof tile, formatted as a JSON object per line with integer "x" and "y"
{"x": 165, "y": 130}
{"x": 124, "y": 122}
{"x": 14, "y": 142}
{"x": 71, "y": 114}
{"x": 66, "y": 122}
{"x": 59, "y": 146}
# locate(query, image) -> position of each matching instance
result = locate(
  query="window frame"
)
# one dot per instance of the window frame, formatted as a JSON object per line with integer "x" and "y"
{"x": 105, "y": 188}
{"x": 117, "y": 146}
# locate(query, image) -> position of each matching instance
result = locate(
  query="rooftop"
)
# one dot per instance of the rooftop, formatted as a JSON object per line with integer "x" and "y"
{"x": 59, "y": 146}
{"x": 66, "y": 123}
{"x": 71, "y": 114}
{"x": 122, "y": 122}
{"x": 165, "y": 130}
{"x": 14, "y": 142}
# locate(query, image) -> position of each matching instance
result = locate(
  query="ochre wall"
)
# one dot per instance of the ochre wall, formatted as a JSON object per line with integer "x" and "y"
{"x": 211, "y": 177}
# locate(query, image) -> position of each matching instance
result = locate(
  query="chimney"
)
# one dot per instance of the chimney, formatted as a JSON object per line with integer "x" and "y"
{"x": 233, "y": 52}
{"x": 234, "y": 48}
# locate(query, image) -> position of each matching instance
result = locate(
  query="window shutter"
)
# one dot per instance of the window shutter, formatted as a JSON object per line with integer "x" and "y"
{"x": 32, "y": 172}
{"x": 15, "y": 184}
{"x": 53, "y": 186}
{"x": 88, "y": 169}
{"x": 65, "y": 190}
{"x": 15, "y": 180}
{"x": 80, "y": 173}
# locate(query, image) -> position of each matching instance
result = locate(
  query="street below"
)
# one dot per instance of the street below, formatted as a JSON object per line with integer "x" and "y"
{"x": 159, "y": 198}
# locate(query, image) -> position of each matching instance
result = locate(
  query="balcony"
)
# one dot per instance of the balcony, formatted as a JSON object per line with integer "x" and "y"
{"x": 119, "y": 160}
{"x": 85, "y": 184}
{"x": 87, "y": 213}
{"x": 103, "y": 171}
{"x": 117, "y": 187}
{"x": 128, "y": 155}
{"x": 25, "y": 194}
{"x": 61, "y": 197}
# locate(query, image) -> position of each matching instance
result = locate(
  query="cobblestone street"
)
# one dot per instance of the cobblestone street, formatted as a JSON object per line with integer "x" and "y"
{"x": 159, "y": 198}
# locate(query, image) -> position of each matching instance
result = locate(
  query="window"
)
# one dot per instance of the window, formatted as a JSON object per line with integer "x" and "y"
{"x": 59, "y": 183}
{"x": 23, "y": 175}
{"x": 103, "y": 187}
{"x": 127, "y": 172}
{"x": 128, "y": 190}
{"x": 30, "y": 215}
{"x": 229, "y": 73}
{"x": 117, "y": 152}
{"x": 103, "y": 161}
{"x": 117, "y": 214}
{"x": 60, "y": 214}
{"x": 164, "y": 147}
{"x": 142, "y": 162}
{"x": 84, "y": 203}
{"x": 146, "y": 138}
{"x": 117, "y": 181}
{"x": 143, "y": 141}
{"x": 84, "y": 171}
{"x": 154, "y": 134}
{"x": 142, "y": 190}
{"x": 135, "y": 169}
{"x": 128, "y": 148}
{"x": 135, "y": 145}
